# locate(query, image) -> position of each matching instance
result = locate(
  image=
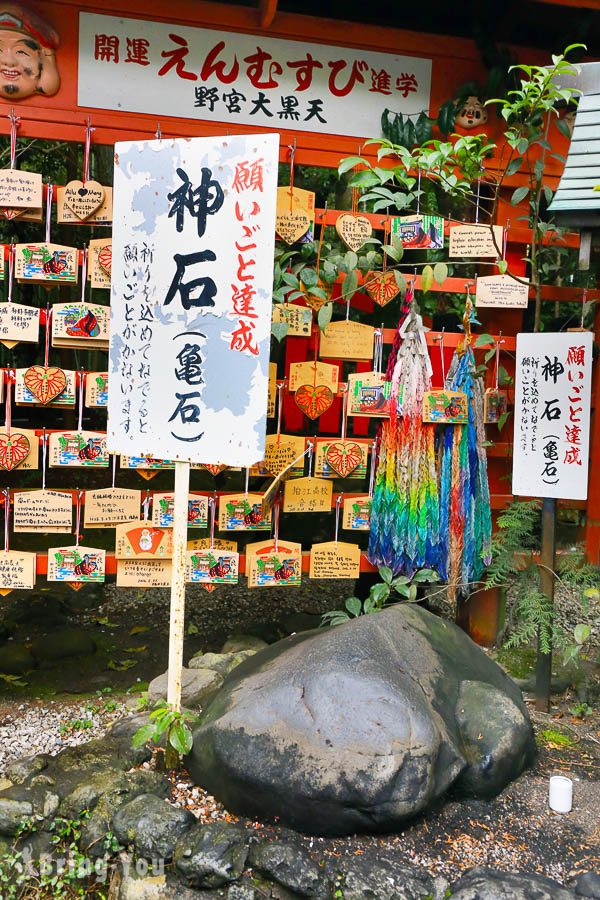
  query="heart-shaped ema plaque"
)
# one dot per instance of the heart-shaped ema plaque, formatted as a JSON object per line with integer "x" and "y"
{"x": 105, "y": 258}
{"x": 214, "y": 470}
{"x": 353, "y": 230}
{"x": 344, "y": 457}
{"x": 290, "y": 226}
{"x": 46, "y": 383}
{"x": 14, "y": 448}
{"x": 12, "y": 213}
{"x": 381, "y": 287}
{"x": 313, "y": 400}
{"x": 83, "y": 199}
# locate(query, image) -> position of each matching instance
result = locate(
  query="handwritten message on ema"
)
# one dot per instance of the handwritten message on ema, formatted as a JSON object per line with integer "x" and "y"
{"x": 192, "y": 274}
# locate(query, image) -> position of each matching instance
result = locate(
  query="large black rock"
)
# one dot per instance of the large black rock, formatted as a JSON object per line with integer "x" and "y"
{"x": 358, "y": 727}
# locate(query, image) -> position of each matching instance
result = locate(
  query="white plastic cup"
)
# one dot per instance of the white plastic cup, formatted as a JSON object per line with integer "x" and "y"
{"x": 560, "y": 795}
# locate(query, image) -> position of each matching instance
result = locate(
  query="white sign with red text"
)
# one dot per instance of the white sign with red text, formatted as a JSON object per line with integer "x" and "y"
{"x": 245, "y": 79}
{"x": 192, "y": 276}
{"x": 553, "y": 380}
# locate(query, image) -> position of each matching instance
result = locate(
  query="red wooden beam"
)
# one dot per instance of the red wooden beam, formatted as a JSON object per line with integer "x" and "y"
{"x": 266, "y": 13}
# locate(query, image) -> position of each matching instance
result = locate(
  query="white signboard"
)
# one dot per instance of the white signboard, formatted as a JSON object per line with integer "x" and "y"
{"x": 192, "y": 277}
{"x": 243, "y": 79}
{"x": 552, "y": 415}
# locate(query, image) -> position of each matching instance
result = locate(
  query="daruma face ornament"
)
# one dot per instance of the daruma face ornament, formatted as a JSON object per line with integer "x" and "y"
{"x": 27, "y": 54}
{"x": 472, "y": 113}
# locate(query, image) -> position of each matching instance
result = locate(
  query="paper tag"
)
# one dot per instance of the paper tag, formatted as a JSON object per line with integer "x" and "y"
{"x": 307, "y": 495}
{"x": 501, "y": 291}
{"x": 334, "y": 559}
{"x": 445, "y": 407}
{"x": 144, "y": 462}
{"x": 96, "y": 389}
{"x": 475, "y": 240}
{"x": 143, "y": 540}
{"x": 270, "y": 567}
{"x": 495, "y": 404}
{"x": 111, "y": 506}
{"x": 42, "y": 511}
{"x": 212, "y": 566}
{"x": 242, "y": 512}
{"x": 356, "y": 513}
{"x": 419, "y": 232}
{"x": 77, "y": 448}
{"x": 347, "y": 340}
{"x": 17, "y": 570}
{"x": 272, "y": 396}
{"x": 304, "y": 373}
{"x": 23, "y": 395}
{"x": 297, "y": 318}
{"x": 369, "y": 395}
{"x": 100, "y": 262}
{"x": 80, "y": 323}
{"x": 163, "y": 505}
{"x": 20, "y": 189}
{"x": 85, "y": 564}
{"x": 46, "y": 262}
{"x": 19, "y": 323}
{"x": 144, "y": 573}
{"x": 344, "y": 455}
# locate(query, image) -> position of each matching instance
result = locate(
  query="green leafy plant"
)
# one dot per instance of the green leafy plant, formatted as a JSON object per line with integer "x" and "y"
{"x": 381, "y": 595}
{"x": 172, "y": 726}
{"x": 581, "y": 710}
{"x": 76, "y": 725}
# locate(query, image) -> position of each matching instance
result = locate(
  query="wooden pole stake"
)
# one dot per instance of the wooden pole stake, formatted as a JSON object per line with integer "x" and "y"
{"x": 176, "y": 625}
{"x": 543, "y": 666}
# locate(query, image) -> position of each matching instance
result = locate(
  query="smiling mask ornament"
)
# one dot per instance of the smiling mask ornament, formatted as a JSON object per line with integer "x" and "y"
{"x": 27, "y": 54}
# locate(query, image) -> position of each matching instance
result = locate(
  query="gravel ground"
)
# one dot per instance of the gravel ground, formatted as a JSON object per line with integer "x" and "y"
{"x": 50, "y": 726}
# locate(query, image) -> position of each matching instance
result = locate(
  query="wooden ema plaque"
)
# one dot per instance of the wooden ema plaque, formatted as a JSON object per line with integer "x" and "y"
{"x": 297, "y": 318}
{"x": 111, "y": 506}
{"x": 272, "y": 395}
{"x": 304, "y": 373}
{"x": 40, "y": 512}
{"x": 475, "y": 240}
{"x": 144, "y": 573}
{"x": 80, "y": 324}
{"x": 20, "y": 190}
{"x": 17, "y": 570}
{"x": 77, "y": 448}
{"x": 274, "y": 565}
{"x": 347, "y": 340}
{"x": 341, "y": 458}
{"x": 445, "y": 407}
{"x": 242, "y": 512}
{"x": 369, "y": 395}
{"x": 295, "y": 213}
{"x": 96, "y": 390}
{"x": 46, "y": 262}
{"x": 307, "y": 495}
{"x": 212, "y": 566}
{"x": 24, "y": 396}
{"x": 501, "y": 291}
{"x": 76, "y": 564}
{"x": 19, "y": 323}
{"x": 356, "y": 513}
{"x": 164, "y": 504}
{"x": 143, "y": 540}
{"x": 100, "y": 262}
{"x": 334, "y": 559}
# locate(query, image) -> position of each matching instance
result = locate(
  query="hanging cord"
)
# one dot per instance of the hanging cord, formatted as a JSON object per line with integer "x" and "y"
{"x": 146, "y": 506}
{"x": 247, "y": 482}
{"x": 373, "y": 471}
{"x": 87, "y": 150}
{"x": 44, "y": 457}
{"x": 583, "y": 301}
{"x": 477, "y": 199}
{"x": 84, "y": 266}
{"x": 292, "y": 155}
{"x": 78, "y": 517}
{"x": 338, "y": 506}
{"x": 114, "y": 469}
{"x": 11, "y": 271}
{"x": 158, "y": 132}
{"x": 320, "y": 244}
{"x": 505, "y": 239}
{"x": 212, "y": 507}
{"x": 47, "y": 337}
{"x": 378, "y": 350}
{"x": 276, "y": 525}
{"x": 81, "y": 382}
{"x": 440, "y": 340}
{"x": 6, "y": 493}
{"x": 344, "y": 392}
{"x": 419, "y": 192}
{"x": 310, "y": 451}
{"x": 280, "y": 387}
{"x": 8, "y": 402}
{"x": 14, "y": 124}
{"x": 49, "y": 196}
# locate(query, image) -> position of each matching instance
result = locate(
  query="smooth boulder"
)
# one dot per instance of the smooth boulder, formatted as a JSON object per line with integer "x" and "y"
{"x": 359, "y": 727}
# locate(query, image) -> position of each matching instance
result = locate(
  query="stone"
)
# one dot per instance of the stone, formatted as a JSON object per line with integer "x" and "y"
{"x": 218, "y": 662}
{"x": 63, "y": 644}
{"x": 19, "y": 770}
{"x": 15, "y": 659}
{"x": 291, "y": 866}
{"x": 482, "y": 883}
{"x": 151, "y": 825}
{"x": 377, "y": 878}
{"x": 239, "y": 642}
{"x": 359, "y": 727}
{"x": 96, "y": 827}
{"x": 152, "y": 887}
{"x": 5, "y": 783}
{"x": 88, "y": 791}
{"x": 12, "y": 813}
{"x": 586, "y": 885}
{"x": 198, "y": 687}
{"x": 212, "y": 855}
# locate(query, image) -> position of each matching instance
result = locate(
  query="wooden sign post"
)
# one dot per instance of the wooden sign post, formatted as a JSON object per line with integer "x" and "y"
{"x": 191, "y": 279}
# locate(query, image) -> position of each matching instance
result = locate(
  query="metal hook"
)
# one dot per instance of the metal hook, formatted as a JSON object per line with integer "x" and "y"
{"x": 158, "y": 132}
